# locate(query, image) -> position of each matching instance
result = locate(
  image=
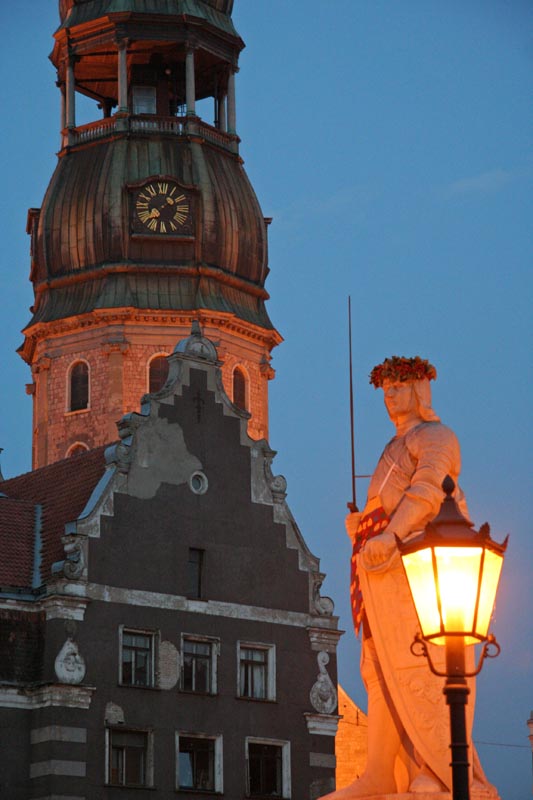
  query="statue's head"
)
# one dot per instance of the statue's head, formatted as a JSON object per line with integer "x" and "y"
{"x": 406, "y": 388}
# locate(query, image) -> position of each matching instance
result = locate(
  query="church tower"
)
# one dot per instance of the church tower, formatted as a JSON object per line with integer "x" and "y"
{"x": 149, "y": 222}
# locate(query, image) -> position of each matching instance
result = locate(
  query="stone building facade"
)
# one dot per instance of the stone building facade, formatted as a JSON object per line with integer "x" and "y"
{"x": 163, "y": 623}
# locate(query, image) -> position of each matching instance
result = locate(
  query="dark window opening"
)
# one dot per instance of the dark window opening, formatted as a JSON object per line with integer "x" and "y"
{"x": 76, "y": 449}
{"x": 239, "y": 388}
{"x": 265, "y": 769}
{"x": 195, "y": 566}
{"x": 196, "y": 673}
{"x": 196, "y": 763}
{"x": 127, "y": 758}
{"x": 158, "y": 373}
{"x": 137, "y": 659}
{"x": 253, "y": 672}
{"x": 79, "y": 386}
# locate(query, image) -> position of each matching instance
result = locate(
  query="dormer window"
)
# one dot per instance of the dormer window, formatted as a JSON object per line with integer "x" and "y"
{"x": 144, "y": 100}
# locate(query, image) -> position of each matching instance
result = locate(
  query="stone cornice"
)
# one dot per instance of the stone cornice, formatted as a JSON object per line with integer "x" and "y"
{"x": 133, "y": 316}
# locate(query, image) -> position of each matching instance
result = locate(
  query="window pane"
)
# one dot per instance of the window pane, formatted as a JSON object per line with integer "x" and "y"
{"x": 117, "y": 766}
{"x": 135, "y": 765}
{"x": 137, "y": 656}
{"x": 196, "y": 675}
{"x": 186, "y": 770}
{"x": 253, "y": 672}
{"x": 196, "y": 763}
{"x": 194, "y": 573}
{"x": 265, "y": 769}
{"x": 128, "y": 758}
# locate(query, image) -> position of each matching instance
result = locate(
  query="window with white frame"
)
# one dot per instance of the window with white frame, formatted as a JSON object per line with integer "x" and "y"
{"x": 256, "y": 671}
{"x": 199, "y": 762}
{"x": 199, "y": 663}
{"x": 129, "y": 757}
{"x": 268, "y": 768}
{"x": 137, "y": 657}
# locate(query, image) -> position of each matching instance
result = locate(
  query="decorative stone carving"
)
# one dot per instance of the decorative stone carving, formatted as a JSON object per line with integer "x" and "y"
{"x": 69, "y": 665}
{"x": 322, "y": 605}
{"x": 323, "y": 695}
{"x": 114, "y": 715}
{"x": 168, "y": 665}
{"x": 74, "y": 564}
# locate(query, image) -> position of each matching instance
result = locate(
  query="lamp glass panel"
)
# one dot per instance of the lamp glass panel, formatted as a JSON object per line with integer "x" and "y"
{"x": 458, "y": 578}
{"x": 419, "y": 570}
{"x": 492, "y": 568}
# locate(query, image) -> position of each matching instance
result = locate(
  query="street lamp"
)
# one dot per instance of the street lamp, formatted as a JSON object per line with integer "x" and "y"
{"x": 453, "y": 572}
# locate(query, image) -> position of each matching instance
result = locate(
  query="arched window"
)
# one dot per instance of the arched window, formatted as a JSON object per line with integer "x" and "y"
{"x": 79, "y": 386}
{"x": 157, "y": 373}
{"x": 77, "y": 448}
{"x": 239, "y": 388}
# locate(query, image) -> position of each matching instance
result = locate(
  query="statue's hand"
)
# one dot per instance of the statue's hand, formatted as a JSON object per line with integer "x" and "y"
{"x": 352, "y": 523}
{"x": 379, "y": 549}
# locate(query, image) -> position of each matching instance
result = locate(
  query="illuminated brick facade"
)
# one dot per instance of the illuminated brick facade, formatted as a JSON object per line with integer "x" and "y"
{"x": 350, "y": 741}
{"x": 118, "y": 350}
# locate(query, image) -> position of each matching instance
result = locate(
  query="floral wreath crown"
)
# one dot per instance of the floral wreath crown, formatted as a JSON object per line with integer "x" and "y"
{"x": 399, "y": 368}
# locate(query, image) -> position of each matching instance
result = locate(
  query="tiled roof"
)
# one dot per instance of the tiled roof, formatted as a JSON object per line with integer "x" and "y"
{"x": 17, "y": 537}
{"x": 62, "y": 490}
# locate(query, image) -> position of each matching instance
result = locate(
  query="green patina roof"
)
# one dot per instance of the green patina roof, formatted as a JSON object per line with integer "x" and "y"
{"x": 87, "y": 10}
{"x": 150, "y": 292}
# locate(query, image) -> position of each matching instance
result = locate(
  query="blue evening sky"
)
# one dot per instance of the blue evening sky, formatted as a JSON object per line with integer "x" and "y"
{"x": 391, "y": 142}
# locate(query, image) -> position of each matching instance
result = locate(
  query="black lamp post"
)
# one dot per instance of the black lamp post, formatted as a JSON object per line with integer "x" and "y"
{"x": 453, "y": 572}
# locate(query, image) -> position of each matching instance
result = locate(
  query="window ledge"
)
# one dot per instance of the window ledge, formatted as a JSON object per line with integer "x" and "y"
{"x": 128, "y": 787}
{"x": 77, "y": 412}
{"x": 256, "y": 700}
{"x": 198, "y": 694}
{"x": 135, "y": 686}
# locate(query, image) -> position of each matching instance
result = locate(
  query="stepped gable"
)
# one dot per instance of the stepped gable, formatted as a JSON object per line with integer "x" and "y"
{"x": 62, "y": 490}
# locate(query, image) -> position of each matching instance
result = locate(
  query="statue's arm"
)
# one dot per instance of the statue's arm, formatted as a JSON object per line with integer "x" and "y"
{"x": 436, "y": 453}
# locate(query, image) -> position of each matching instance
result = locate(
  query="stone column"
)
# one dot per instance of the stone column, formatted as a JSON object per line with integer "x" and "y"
{"x": 41, "y": 373}
{"x": 232, "y": 111}
{"x": 70, "y": 95}
{"x": 122, "y": 77}
{"x": 222, "y": 118}
{"x": 190, "y": 88}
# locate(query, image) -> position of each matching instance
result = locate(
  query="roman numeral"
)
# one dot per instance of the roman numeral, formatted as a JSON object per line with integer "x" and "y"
{"x": 162, "y": 187}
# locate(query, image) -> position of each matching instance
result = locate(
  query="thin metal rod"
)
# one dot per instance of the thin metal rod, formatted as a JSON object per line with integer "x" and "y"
{"x": 353, "y": 504}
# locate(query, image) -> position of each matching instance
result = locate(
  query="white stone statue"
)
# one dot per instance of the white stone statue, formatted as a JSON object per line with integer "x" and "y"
{"x": 408, "y": 720}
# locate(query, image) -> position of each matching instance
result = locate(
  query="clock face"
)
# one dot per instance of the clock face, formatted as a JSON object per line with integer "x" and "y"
{"x": 161, "y": 207}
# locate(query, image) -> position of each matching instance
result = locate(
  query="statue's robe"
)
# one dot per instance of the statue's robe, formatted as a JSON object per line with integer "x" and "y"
{"x": 407, "y": 483}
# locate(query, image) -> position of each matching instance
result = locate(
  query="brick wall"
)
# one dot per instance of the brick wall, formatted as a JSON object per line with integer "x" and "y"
{"x": 118, "y": 355}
